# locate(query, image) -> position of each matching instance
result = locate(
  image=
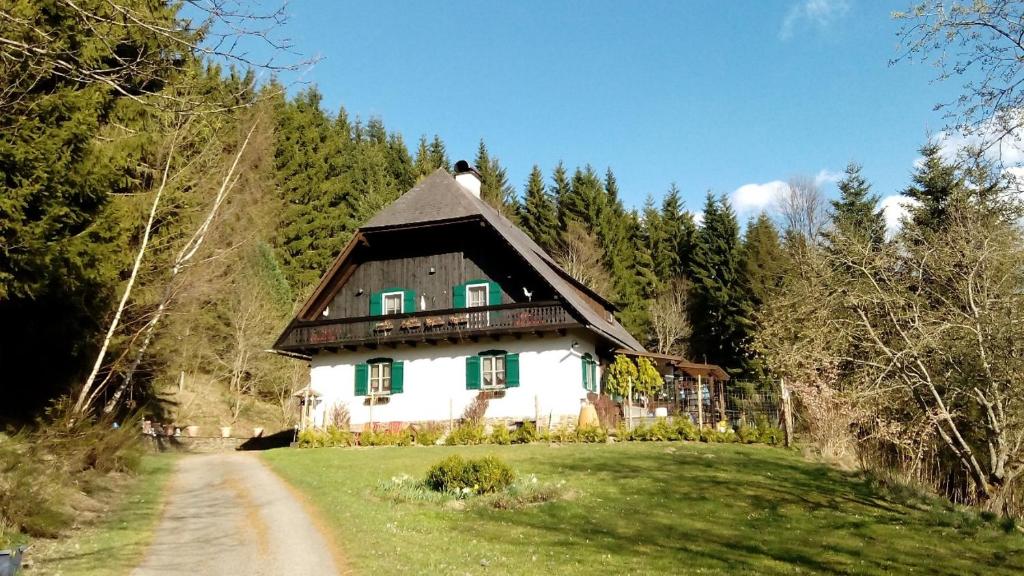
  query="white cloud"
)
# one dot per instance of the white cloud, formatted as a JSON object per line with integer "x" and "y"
{"x": 752, "y": 198}
{"x": 819, "y": 14}
{"x": 826, "y": 176}
{"x": 895, "y": 208}
{"x": 698, "y": 217}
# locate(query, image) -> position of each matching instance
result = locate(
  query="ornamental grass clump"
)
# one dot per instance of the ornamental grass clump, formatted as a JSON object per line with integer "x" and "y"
{"x": 463, "y": 477}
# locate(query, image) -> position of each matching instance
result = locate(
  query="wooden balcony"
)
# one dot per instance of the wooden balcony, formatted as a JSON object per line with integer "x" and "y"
{"x": 431, "y": 326}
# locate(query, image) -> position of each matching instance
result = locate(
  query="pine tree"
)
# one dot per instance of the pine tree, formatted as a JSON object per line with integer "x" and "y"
{"x": 936, "y": 185}
{"x": 494, "y": 186}
{"x": 764, "y": 260}
{"x": 678, "y": 228}
{"x": 584, "y": 201}
{"x": 560, "y": 189}
{"x": 439, "y": 155}
{"x": 721, "y": 309}
{"x": 855, "y": 214}
{"x": 537, "y": 215}
{"x": 639, "y": 283}
{"x": 423, "y": 165}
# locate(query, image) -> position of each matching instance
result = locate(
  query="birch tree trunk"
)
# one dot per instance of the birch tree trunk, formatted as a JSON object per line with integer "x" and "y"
{"x": 83, "y": 401}
{"x": 184, "y": 257}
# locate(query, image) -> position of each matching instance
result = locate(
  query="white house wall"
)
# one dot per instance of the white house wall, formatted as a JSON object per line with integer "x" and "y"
{"x": 435, "y": 381}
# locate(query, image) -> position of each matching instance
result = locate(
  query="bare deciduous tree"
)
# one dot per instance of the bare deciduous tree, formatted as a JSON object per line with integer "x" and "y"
{"x": 802, "y": 207}
{"x": 669, "y": 318}
{"x": 579, "y": 254}
{"x": 980, "y": 41}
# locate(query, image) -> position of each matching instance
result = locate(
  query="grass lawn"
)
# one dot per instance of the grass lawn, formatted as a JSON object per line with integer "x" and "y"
{"x": 115, "y": 544}
{"x": 650, "y": 508}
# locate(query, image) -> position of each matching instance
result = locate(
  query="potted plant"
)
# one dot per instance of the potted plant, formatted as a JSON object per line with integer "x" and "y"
{"x": 192, "y": 431}
{"x": 225, "y": 431}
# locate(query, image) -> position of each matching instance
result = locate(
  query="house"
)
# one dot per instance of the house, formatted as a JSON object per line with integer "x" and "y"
{"x": 438, "y": 299}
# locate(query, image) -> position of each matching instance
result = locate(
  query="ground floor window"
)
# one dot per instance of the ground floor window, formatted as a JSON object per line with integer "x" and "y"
{"x": 380, "y": 378}
{"x": 589, "y": 373}
{"x": 493, "y": 371}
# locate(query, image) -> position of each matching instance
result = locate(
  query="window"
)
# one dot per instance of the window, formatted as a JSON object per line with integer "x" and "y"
{"x": 476, "y": 295}
{"x": 380, "y": 378}
{"x": 392, "y": 302}
{"x": 589, "y": 373}
{"x": 493, "y": 371}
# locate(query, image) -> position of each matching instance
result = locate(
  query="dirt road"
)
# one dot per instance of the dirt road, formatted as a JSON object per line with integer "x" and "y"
{"x": 228, "y": 514}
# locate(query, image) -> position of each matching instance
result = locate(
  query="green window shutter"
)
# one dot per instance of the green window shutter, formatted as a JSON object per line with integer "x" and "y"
{"x": 493, "y": 293}
{"x": 511, "y": 370}
{"x": 472, "y": 373}
{"x": 459, "y": 296}
{"x": 362, "y": 379}
{"x": 376, "y": 303}
{"x": 409, "y": 301}
{"x": 583, "y": 364}
{"x": 593, "y": 375}
{"x": 397, "y": 377}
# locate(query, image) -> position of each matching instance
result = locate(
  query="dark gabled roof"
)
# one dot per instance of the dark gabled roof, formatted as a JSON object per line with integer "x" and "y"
{"x": 439, "y": 198}
{"x": 436, "y": 198}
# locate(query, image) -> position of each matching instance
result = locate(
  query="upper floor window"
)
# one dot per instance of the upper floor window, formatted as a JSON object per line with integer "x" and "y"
{"x": 476, "y": 295}
{"x": 392, "y": 302}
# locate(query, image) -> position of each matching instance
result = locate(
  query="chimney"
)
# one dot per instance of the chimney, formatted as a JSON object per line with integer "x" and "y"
{"x": 467, "y": 177}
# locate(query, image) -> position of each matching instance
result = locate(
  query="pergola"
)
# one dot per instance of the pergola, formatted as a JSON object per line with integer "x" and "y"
{"x": 698, "y": 377}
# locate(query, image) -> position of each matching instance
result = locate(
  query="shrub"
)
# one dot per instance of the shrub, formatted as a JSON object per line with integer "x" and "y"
{"x": 591, "y": 434}
{"x": 563, "y": 434}
{"x": 466, "y": 433}
{"x": 642, "y": 433}
{"x": 403, "y": 437}
{"x": 768, "y": 434}
{"x": 747, "y": 434}
{"x": 685, "y": 429}
{"x": 311, "y": 438}
{"x": 500, "y": 435}
{"x": 662, "y": 430}
{"x": 329, "y": 438}
{"x": 621, "y": 432}
{"x": 429, "y": 434}
{"x": 526, "y": 433}
{"x": 712, "y": 435}
{"x": 458, "y": 475}
{"x": 474, "y": 412}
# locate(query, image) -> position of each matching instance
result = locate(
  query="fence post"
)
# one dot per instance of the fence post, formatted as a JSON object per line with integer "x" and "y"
{"x": 787, "y": 413}
{"x": 629, "y": 406}
{"x": 700, "y": 403}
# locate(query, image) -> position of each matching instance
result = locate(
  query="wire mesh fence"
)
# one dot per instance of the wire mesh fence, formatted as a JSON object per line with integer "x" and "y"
{"x": 707, "y": 402}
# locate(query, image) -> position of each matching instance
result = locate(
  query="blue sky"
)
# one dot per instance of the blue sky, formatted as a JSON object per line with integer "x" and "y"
{"x": 730, "y": 97}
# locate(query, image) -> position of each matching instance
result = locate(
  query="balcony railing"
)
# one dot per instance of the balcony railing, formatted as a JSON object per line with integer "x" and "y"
{"x": 429, "y": 325}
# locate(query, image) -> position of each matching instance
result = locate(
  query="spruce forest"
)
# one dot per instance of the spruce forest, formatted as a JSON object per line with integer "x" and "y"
{"x": 167, "y": 204}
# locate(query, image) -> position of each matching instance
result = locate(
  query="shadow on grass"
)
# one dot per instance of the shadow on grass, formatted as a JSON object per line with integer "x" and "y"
{"x": 745, "y": 509}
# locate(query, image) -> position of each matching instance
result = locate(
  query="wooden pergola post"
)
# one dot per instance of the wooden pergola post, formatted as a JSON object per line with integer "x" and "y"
{"x": 700, "y": 403}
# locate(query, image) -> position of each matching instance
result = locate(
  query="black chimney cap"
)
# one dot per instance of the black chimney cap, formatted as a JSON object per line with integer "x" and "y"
{"x": 462, "y": 166}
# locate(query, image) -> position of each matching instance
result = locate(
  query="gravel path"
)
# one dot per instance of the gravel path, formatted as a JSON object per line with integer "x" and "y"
{"x": 228, "y": 514}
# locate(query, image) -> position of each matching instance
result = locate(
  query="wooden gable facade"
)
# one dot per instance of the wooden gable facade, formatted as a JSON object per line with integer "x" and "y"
{"x": 409, "y": 276}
